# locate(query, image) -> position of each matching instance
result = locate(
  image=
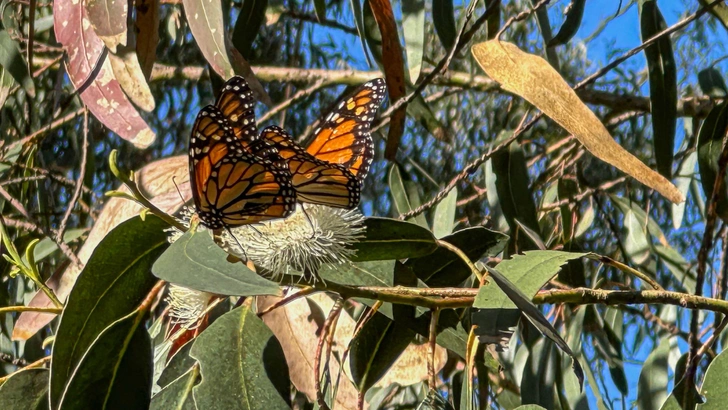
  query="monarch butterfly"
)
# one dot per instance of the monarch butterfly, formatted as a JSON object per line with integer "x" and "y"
{"x": 232, "y": 185}
{"x": 331, "y": 170}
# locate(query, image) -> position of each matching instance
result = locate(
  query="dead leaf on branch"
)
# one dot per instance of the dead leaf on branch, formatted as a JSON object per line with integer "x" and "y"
{"x": 532, "y": 78}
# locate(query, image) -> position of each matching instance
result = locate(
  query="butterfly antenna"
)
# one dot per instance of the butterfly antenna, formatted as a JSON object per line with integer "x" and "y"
{"x": 310, "y": 221}
{"x": 178, "y": 191}
{"x": 227, "y": 228}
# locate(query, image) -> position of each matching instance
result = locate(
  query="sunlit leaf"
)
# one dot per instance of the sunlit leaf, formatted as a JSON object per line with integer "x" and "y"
{"x": 206, "y": 24}
{"x": 533, "y": 78}
{"x": 651, "y": 392}
{"x": 444, "y": 220}
{"x": 402, "y": 201}
{"x": 663, "y": 85}
{"x": 714, "y": 387}
{"x": 413, "y": 27}
{"x": 685, "y": 175}
{"x": 256, "y": 374}
{"x": 112, "y": 284}
{"x": 195, "y": 261}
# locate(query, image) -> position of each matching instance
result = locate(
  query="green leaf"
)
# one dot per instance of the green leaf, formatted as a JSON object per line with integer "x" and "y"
{"x": 714, "y": 387}
{"x": 422, "y": 113}
{"x": 537, "y": 385}
{"x": 25, "y": 390}
{"x": 253, "y": 373}
{"x": 663, "y": 85}
{"x": 574, "y": 14}
{"x": 677, "y": 265}
{"x": 195, "y": 261}
{"x": 685, "y": 175}
{"x": 444, "y": 220}
{"x": 320, "y": 9}
{"x": 12, "y": 60}
{"x": 387, "y": 239}
{"x": 413, "y": 27}
{"x": 534, "y": 315}
{"x": 372, "y": 273}
{"x": 514, "y": 193}
{"x": 720, "y": 11}
{"x": 636, "y": 243}
{"x": 530, "y": 407}
{"x": 626, "y": 206}
{"x": 247, "y": 26}
{"x": 445, "y": 268}
{"x": 443, "y": 15}
{"x": 710, "y": 145}
{"x": 403, "y": 201}
{"x": 178, "y": 393}
{"x": 6, "y": 85}
{"x": 112, "y": 284}
{"x": 711, "y": 83}
{"x": 651, "y": 392}
{"x": 116, "y": 370}
{"x": 375, "y": 349}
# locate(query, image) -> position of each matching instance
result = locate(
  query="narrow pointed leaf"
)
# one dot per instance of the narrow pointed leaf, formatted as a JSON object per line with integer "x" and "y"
{"x": 393, "y": 63}
{"x": 247, "y": 26}
{"x": 178, "y": 393}
{"x": 413, "y": 27}
{"x": 444, "y": 220}
{"x": 443, "y": 16}
{"x": 651, "y": 392}
{"x": 402, "y": 201}
{"x": 683, "y": 178}
{"x": 372, "y": 273}
{"x": 387, "y": 239}
{"x": 255, "y": 374}
{"x": 147, "y": 38}
{"x": 320, "y": 9}
{"x": 112, "y": 284}
{"x": 206, "y": 24}
{"x": 532, "y": 78}
{"x": 663, "y": 85}
{"x": 574, "y": 14}
{"x": 197, "y": 262}
{"x": 710, "y": 145}
{"x": 13, "y": 62}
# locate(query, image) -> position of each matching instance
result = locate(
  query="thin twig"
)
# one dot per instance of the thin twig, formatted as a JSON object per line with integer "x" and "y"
{"x": 328, "y": 325}
{"x": 36, "y": 227}
{"x": 50, "y": 127}
{"x": 289, "y": 101}
{"x": 288, "y": 299}
{"x": 432, "y": 379}
{"x": 79, "y": 183}
{"x": 53, "y": 310}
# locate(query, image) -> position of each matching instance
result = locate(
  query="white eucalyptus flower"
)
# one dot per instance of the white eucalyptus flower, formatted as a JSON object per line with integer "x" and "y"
{"x": 187, "y": 306}
{"x": 308, "y": 238}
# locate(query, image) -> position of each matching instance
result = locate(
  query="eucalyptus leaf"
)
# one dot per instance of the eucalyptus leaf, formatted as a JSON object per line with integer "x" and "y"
{"x": 387, "y": 239}
{"x": 253, "y": 374}
{"x": 195, "y": 261}
{"x": 25, "y": 390}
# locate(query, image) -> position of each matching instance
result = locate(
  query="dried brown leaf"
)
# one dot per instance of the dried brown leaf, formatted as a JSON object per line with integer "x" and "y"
{"x": 147, "y": 33}
{"x": 532, "y": 78}
{"x": 108, "y": 19}
{"x": 128, "y": 71}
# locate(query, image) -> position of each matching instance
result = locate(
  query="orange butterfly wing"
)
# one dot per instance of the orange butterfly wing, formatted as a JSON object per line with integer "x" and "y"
{"x": 230, "y": 185}
{"x": 344, "y": 136}
{"x": 315, "y": 181}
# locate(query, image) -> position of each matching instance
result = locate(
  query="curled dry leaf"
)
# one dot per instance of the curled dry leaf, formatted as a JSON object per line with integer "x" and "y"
{"x": 155, "y": 181}
{"x": 100, "y": 90}
{"x": 532, "y": 78}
